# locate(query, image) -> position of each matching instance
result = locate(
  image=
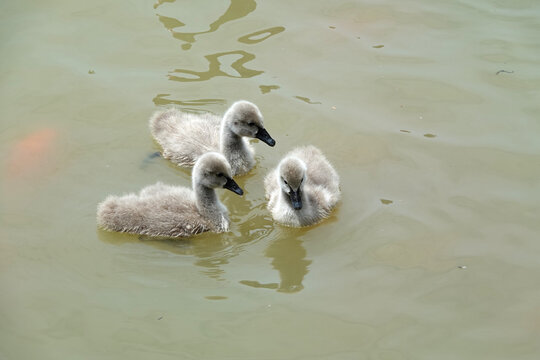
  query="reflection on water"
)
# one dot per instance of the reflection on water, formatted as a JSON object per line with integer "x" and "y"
{"x": 160, "y": 2}
{"x": 267, "y": 88}
{"x": 212, "y": 251}
{"x": 214, "y": 68}
{"x": 249, "y": 224}
{"x": 32, "y": 156}
{"x": 169, "y": 22}
{"x": 227, "y": 64}
{"x": 289, "y": 259}
{"x": 307, "y": 100}
{"x": 161, "y": 99}
{"x": 237, "y": 10}
{"x": 255, "y": 37}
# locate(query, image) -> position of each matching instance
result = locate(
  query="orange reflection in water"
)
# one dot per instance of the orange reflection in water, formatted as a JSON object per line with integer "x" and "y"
{"x": 30, "y": 156}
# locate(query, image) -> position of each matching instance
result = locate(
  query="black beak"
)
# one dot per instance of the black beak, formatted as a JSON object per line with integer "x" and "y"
{"x": 296, "y": 199}
{"x": 233, "y": 186}
{"x": 263, "y": 135}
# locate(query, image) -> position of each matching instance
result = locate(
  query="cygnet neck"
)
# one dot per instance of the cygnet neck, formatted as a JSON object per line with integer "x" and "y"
{"x": 205, "y": 198}
{"x": 230, "y": 142}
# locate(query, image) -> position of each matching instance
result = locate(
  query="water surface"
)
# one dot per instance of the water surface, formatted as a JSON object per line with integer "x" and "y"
{"x": 427, "y": 109}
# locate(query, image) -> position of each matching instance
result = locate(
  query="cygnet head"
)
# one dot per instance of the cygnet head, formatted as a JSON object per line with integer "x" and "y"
{"x": 212, "y": 170}
{"x": 245, "y": 119}
{"x": 292, "y": 174}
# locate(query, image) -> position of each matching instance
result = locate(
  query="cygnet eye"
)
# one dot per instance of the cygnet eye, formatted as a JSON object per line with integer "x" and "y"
{"x": 285, "y": 182}
{"x": 220, "y": 174}
{"x": 251, "y": 124}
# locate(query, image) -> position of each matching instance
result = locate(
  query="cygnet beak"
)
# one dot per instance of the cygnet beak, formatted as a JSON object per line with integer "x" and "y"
{"x": 296, "y": 199}
{"x": 263, "y": 135}
{"x": 233, "y": 186}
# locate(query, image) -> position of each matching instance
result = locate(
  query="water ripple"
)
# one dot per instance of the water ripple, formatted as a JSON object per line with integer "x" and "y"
{"x": 214, "y": 68}
{"x": 255, "y": 37}
{"x": 161, "y": 2}
{"x": 161, "y": 100}
{"x": 307, "y": 100}
{"x": 267, "y": 88}
{"x": 236, "y": 10}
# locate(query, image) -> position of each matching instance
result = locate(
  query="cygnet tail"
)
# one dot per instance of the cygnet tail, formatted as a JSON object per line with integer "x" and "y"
{"x": 114, "y": 215}
{"x": 162, "y": 124}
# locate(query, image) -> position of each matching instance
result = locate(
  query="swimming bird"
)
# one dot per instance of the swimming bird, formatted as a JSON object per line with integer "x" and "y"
{"x": 303, "y": 189}
{"x": 184, "y": 137}
{"x": 165, "y": 210}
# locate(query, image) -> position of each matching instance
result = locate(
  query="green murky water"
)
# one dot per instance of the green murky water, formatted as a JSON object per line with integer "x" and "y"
{"x": 428, "y": 110}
